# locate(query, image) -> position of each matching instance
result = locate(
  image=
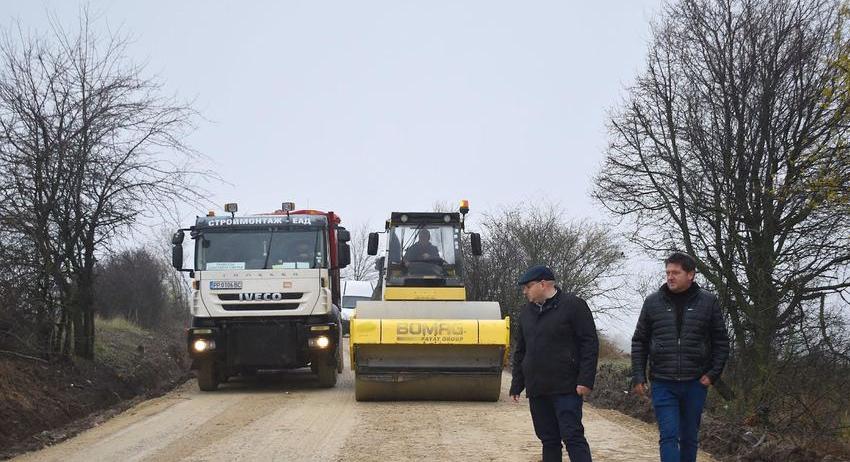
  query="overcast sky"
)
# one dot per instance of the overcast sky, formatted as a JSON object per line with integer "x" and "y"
{"x": 370, "y": 107}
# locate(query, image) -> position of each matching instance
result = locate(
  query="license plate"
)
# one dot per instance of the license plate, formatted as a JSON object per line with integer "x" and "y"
{"x": 225, "y": 285}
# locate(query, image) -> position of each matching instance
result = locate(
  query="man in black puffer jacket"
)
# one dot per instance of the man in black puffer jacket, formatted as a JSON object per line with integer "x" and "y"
{"x": 682, "y": 334}
{"x": 554, "y": 360}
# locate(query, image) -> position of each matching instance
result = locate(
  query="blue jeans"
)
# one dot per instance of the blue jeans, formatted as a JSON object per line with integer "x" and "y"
{"x": 678, "y": 408}
{"x": 558, "y": 418}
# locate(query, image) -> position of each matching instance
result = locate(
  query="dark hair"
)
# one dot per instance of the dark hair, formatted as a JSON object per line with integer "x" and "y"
{"x": 686, "y": 261}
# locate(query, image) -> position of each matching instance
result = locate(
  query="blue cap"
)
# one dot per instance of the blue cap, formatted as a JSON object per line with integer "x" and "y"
{"x": 536, "y": 273}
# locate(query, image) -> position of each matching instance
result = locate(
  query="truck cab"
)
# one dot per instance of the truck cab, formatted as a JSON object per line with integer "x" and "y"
{"x": 265, "y": 293}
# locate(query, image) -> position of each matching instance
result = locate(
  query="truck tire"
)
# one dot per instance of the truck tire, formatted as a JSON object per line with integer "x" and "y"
{"x": 327, "y": 374}
{"x": 207, "y": 375}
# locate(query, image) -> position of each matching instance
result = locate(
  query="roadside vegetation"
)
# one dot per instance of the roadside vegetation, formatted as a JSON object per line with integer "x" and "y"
{"x": 89, "y": 146}
{"x": 732, "y": 145}
{"x": 48, "y": 401}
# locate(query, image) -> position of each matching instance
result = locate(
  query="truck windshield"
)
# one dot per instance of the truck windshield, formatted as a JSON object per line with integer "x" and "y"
{"x": 424, "y": 252}
{"x": 260, "y": 249}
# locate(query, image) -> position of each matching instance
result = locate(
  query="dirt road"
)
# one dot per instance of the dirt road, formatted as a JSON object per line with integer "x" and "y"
{"x": 286, "y": 417}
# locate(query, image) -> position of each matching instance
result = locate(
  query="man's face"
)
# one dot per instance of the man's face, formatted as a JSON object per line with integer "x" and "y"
{"x": 534, "y": 291}
{"x": 678, "y": 280}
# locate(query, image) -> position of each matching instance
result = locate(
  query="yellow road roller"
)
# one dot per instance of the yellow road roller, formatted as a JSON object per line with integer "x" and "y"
{"x": 420, "y": 339}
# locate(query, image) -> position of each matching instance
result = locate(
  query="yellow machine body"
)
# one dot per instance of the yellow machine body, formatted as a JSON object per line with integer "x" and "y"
{"x": 425, "y": 293}
{"x": 428, "y": 350}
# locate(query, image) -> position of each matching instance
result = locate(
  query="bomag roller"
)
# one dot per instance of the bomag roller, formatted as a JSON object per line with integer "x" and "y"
{"x": 419, "y": 338}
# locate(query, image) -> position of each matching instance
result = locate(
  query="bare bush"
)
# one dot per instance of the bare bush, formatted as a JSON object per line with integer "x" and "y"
{"x": 585, "y": 257}
{"x": 135, "y": 285}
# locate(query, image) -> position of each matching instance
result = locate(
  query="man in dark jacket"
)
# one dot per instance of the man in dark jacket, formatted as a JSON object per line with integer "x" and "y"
{"x": 554, "y": 360}
{"x": 682, "y": 334}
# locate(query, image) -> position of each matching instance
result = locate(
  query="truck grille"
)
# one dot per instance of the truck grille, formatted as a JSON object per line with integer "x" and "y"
{"x": 271, "y": 345}
{"x": 284, "y": 296}
{"x": 259, "y": 306}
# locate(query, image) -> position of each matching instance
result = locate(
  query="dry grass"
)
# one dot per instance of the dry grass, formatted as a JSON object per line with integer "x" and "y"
{"x": 118, "y": 324}
{"x": 118, "y": 343}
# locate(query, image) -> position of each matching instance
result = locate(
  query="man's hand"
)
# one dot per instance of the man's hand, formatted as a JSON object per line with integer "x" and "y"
{"x": 583, "y": 391}
{"x": 705, "y": 381}
{"x": 515, "y": 398}
{"x": 640, "y": 389}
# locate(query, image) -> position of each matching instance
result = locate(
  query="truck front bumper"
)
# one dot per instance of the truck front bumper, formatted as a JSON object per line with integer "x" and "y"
{"x": 269, "y": 343}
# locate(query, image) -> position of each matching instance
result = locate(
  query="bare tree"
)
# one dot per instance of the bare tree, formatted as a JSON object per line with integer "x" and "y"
{"x": 362, "y": 266}
{"x": 442, "y": 206}
{"x": 177, "y": 287}
{"x": 87, "y": 145}
{"x": 26, "y": 311}
{"x": 732, "y": 146}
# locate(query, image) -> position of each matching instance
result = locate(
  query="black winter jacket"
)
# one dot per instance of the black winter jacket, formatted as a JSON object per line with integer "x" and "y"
{"x": 700, "y": 347}
{"x": 555, "y": 348}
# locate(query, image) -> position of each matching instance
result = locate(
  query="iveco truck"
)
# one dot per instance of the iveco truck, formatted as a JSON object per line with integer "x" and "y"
{"x": 265, "y": 293}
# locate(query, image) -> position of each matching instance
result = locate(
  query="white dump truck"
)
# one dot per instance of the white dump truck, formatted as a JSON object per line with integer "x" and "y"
{"x": 265, "y": 293}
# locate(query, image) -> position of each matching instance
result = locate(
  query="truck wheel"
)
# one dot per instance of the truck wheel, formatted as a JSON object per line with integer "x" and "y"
{"x": 327, "y": 374}
{"x": 207, "y": 375}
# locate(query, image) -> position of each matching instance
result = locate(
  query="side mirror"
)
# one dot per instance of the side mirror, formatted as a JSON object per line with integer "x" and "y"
{"x": 344, "y": 254}
{"x": 475, "y": 241}
{"x": 372, "y": 249}
{"x": 379, "y": 264}
{"x": 177, "y": 256}
{"x": 342, "y": 235}
{"x": 177, "y": 238}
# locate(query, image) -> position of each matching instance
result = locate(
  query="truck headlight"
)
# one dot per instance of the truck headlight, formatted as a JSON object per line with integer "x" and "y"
{"x": 201, "y": 345}
{"x": 319, "y": 342}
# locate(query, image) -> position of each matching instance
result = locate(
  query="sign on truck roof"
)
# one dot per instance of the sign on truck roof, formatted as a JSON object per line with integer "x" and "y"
{"x": 262, "y": 220}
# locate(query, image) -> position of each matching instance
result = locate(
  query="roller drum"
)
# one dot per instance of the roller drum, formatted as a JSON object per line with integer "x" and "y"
{"x": 430, "y": 387}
